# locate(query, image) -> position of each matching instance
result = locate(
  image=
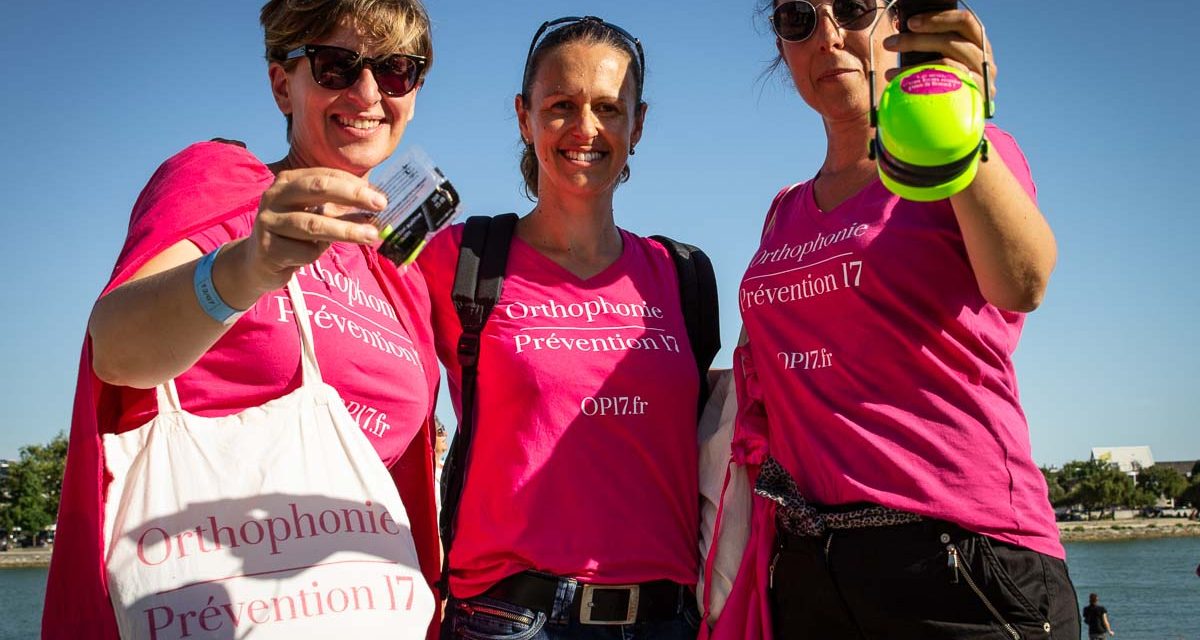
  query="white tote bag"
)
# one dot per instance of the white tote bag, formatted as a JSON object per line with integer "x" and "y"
{"x": 724, "y": 498}
{"x": 276, "y": 522}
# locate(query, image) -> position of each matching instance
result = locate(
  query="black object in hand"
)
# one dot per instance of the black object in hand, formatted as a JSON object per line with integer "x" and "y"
{"x": 909, "y": 8}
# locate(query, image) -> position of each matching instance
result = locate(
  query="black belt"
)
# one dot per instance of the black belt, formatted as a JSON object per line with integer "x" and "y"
{"x": 593, "y": 603}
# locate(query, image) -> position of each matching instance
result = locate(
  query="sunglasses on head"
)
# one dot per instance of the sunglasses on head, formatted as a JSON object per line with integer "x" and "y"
{"x": 337, "y": 68}
{"x": 559, "y": 23}
{"x": 797, "y": 20}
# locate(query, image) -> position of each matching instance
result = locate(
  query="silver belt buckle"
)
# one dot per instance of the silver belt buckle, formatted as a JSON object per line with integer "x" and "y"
{"x": 589, "y": 591}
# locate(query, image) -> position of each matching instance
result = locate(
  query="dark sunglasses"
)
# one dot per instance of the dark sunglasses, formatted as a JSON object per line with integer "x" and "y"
{"x": 797, "y": 20}
{"x": 551, "y": 24}
{"x": 337, "y": 68}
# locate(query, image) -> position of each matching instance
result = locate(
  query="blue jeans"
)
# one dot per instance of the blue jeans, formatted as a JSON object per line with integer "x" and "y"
{"x": 483, "y": 618}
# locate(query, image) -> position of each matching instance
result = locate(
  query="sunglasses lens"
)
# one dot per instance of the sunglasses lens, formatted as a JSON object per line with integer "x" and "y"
{"x": 335, "y": 68}
{"x": 794, "y": 21}
{"x": 854, "y": 14}
{"x": 397, "y": 75}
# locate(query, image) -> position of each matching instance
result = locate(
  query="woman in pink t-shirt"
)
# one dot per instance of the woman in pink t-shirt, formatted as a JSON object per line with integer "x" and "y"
{"x": 196, "y": 295}
{"x": 878, "y": 369}
{"x": 579, "y": 514}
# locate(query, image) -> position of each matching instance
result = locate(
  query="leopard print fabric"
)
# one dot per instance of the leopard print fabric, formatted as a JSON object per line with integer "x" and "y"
{"x": 797, "y": 517}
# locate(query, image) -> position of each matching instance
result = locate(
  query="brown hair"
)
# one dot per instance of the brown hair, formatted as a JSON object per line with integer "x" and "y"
{"x": 399, "y": 26}
{"x": 586, "y": 32}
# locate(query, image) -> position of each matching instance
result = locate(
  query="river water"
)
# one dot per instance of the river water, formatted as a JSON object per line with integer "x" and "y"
{"x": 1150, "y": 588}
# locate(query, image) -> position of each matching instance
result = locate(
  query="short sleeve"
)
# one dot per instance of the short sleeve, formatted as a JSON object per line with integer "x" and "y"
{"x": 1002, "y": 143}
{"x": 205, "y": 185}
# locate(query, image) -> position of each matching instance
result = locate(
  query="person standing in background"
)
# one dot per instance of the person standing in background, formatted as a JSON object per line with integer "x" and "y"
{"x": 1096, "y": 618}
{"x": 441, "y": 445}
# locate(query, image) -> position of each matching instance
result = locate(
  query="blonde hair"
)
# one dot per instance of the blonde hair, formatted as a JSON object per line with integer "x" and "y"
{"x": 394, "y": 26}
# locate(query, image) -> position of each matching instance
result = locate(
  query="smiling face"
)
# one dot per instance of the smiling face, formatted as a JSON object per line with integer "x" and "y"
{"x": 582, "y": 118}
{"x": 354, "y": 129}
{"x": 829, "y": 69}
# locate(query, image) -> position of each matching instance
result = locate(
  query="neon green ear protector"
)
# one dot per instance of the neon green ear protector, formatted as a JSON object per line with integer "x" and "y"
{"x": 929, "y": 127}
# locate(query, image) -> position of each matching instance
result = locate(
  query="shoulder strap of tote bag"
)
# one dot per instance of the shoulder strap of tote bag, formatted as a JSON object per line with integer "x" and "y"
{"x": 478, "y": 280}
{"x": 168, "y": 396}
{"x": 701, "y": 313}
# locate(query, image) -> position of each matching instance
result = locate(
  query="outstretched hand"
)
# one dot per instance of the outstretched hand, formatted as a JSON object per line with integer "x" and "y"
{"x": 302, "y": 214}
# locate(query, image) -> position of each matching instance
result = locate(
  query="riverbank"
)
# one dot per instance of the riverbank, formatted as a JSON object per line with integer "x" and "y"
{"x": 33, "y": 557}
{"x": 1074, "y": 531}
{"x": 1133, "y": 529}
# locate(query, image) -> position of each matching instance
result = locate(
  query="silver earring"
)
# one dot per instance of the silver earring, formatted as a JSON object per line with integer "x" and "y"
{"x": 632, "y": 151}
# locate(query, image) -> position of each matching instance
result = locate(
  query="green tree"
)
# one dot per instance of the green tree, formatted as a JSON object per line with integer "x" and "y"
{"x": 34, "y": 486}
{"x": 1097, "y": 485}
{"x": 1142, "y": 498}
{"x": 1191, "y": 495}
{"x": 1055, "y": 490}
{"x": 1161, "y": 481}
{"x": 1195, "y": 474}
{"x": 1074, "y": 473}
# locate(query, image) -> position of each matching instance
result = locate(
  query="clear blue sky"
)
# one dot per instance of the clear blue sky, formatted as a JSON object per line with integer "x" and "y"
{"x": 1099, "y": 94}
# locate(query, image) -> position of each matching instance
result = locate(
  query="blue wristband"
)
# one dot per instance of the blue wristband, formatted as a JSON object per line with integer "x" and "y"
{"x": 206, "y": 292}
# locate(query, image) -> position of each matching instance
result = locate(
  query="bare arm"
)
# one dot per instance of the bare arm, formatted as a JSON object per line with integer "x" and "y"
{"x": 151, "y": 328}
{"x": 1107, "y": 626}
{"x": 1009, "y": 243}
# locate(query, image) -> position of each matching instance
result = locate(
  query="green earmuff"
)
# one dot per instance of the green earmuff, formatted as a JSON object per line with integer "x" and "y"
{"x": 929, "y": 130}
{"x": 929, "y": 133}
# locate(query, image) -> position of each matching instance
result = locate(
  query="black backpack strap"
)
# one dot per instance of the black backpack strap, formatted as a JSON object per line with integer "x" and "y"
{"x": 478, "y": 279}
{"x": 698, "y": 299}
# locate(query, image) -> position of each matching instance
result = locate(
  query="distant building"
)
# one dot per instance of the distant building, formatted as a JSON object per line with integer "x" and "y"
{"x": 1184, "y": 467}
{"x": 1129, "y": 460}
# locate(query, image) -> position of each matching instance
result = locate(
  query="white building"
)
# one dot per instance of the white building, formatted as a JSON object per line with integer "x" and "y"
{"x": 1129, "y": 460}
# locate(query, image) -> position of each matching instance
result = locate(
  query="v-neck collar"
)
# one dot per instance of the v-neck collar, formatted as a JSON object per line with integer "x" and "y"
{"x": 605, "y": 274}
{"x": 820, "y": 215}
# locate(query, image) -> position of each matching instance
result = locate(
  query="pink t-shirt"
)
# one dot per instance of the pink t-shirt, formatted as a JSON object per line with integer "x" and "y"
{"x": 208, "y": 193}
{"x": 885, "y": 374}
{"x": 365, "y": 349}
{"x": 585, "y": 452}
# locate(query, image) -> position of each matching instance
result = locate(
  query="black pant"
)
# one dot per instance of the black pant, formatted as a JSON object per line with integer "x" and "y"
{"x": 900, "y": 582}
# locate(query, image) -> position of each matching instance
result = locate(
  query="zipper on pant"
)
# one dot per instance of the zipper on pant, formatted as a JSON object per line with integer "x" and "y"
{"x": 472, "y": 609}
{"x": 771, "y": 571}
{"x": 959, "y": 568}
{"x": 952, "y": 563}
